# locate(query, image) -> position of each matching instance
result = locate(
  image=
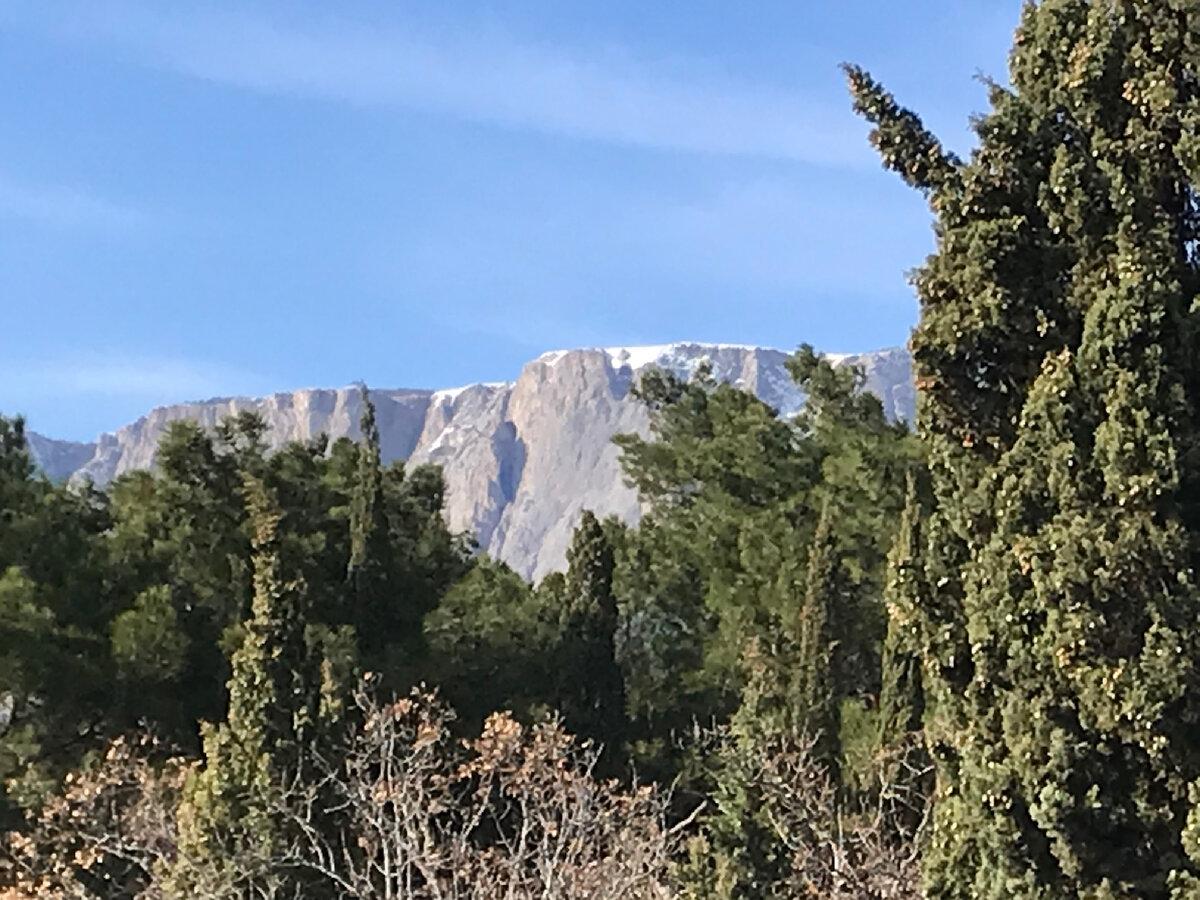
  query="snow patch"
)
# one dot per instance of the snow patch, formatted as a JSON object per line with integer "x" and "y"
{"x": 670, "y": 355}
{"x": 640, "y": 356}
{"x": 440, "y": 442}
{"x": 449, "y": 395}
{"x": 637, "y": 357}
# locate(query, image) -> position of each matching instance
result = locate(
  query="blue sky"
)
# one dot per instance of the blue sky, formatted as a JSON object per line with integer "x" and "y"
{"x": 212, "y": 198}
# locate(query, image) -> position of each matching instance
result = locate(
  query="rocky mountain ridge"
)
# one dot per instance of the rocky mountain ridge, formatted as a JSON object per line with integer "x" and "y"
{"x": 521, "y": 458}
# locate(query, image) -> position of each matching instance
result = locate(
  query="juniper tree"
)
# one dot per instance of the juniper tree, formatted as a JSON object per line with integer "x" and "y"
{"x": 1059, "y": 384}
{"x": 790, "y": 709}
{"x": 818, "y": 698}
{"x": 901, "y": 698}
{"x": 368, "y": 535}
{"x": 229, "y": 829}
{"x": 593, "y": 694}
{"x": 900, "y": 753}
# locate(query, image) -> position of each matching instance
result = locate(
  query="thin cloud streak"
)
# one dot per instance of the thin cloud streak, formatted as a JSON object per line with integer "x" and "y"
{"x": 63, "y": 206}
{"x": 118, "y": 376}
{"x": 606, "y": 96}
{"x": 746, "y": 235}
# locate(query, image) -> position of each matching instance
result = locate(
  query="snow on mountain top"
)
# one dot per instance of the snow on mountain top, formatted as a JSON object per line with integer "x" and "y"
{"x": 658, "y": 354}
{"x": 638, "y": 357}
{"x": 449, "y": 395}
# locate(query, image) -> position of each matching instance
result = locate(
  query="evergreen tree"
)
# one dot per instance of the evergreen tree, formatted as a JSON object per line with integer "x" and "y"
{"x": 184, "y": 528}
{"x": 55, "y": 680}
{"x": 1059, "y": 387}
{"x": 493, "y": 643}
{"x": 790, "y": 704}
{"x": 365, "y": 572}
{"x": 818, "y": 700}
{"x": 900, "y": 751}
{"x": 270, "y": 731}
{"x": 592, "y": 698}
{"x": 901, "y": 698}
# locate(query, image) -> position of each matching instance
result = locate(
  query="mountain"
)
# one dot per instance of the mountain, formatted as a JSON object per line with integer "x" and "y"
{"x": 521, "y": 458}
{"x": 59, "y": 459}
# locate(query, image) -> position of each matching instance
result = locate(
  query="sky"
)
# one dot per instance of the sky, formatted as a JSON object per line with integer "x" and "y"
{"x": 216, "y": 198}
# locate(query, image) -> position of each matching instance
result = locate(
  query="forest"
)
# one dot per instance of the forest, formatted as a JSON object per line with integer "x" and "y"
{"x": 837, "y": 657}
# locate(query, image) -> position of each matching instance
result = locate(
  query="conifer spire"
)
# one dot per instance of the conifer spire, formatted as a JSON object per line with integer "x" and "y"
{"x": 818, "y": 700}
{"x": 366, "y": 502}
{"x": 901, "y": 699}
{"x": 1059, "y": 386}
{"x": 227, "y": 815}
{"x": 595, "y": 702}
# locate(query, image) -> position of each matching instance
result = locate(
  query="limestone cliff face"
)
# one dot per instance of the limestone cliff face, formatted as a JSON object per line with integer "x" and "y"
{"x": 290, "y": 416}
{"x": 58, "y": 459}
{"x": 522, "y": 458}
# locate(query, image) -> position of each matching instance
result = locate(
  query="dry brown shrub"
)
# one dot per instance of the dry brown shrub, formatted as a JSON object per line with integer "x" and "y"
{"x": 105, "y": 834}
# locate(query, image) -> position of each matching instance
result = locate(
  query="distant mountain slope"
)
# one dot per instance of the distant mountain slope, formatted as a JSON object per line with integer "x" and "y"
{"x": 521, "y": 458}
{"x": 59, "y": 459}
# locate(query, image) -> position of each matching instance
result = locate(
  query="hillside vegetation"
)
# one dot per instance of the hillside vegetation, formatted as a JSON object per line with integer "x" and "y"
{"x": 836, "y": 658}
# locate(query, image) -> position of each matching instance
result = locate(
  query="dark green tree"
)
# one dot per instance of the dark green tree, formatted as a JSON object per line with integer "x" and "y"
{"x": 903, "y": 763}
{"x": 592, "y": 692}
{"x": 184, "y": 528}
{"x": 401, "y": 556}
{"x": 492, "y": 643}
{"x": 901, "y": 697}
{"x": 818, "y": 698}
{"x": 229, "y": 829}
{"x": 1056, "y": 358}
{"x": 367, "y": 566}
{"x": 723, "y": 479}
{"x": 790, "y": 702}
{"x": 55, "y": 673}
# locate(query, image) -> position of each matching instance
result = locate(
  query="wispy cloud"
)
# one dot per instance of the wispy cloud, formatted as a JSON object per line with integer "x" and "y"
{"x": 116, "y": 376}
{"x": 65, "y": 206}
{"x": 747, "y": 235}
{"x": 606, "y": 95}
{"x": 778, "y": 233}
{"x": 593, "y": 266}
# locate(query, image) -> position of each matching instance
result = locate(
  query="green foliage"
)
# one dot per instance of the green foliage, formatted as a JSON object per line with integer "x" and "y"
{"x": 271, "y": 729}
{"x": 818, "y": 700}
{"x": 720, "y": 561}
{"x": 124, "y": 609}
{"x": 492, "y": 638}
{"x": 54, "y": 683}
{"x": 901, "y": 697}
{"x": 28, "y": 634}
{"x": 147, "y": 642}
{"x": 186, "y": 528}
{"x": 591, "y": 692}
{"x": 1056, "y": 360}
{"x": 898, "y": 744}
{"x": 368, "y": 536}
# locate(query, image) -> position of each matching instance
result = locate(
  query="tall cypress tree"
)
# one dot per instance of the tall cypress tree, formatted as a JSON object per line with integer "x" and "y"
{"x": 901, "y": 698}
{"x": 1059, "y": 383}
{"x": 818, "y": 698}
{"x": 900, "y": 753}
{"x": 227, "y": 816}
{"x": 593, "y": 694}
{"x": 366, "y": 572}
{"x": 366, "y": 503}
